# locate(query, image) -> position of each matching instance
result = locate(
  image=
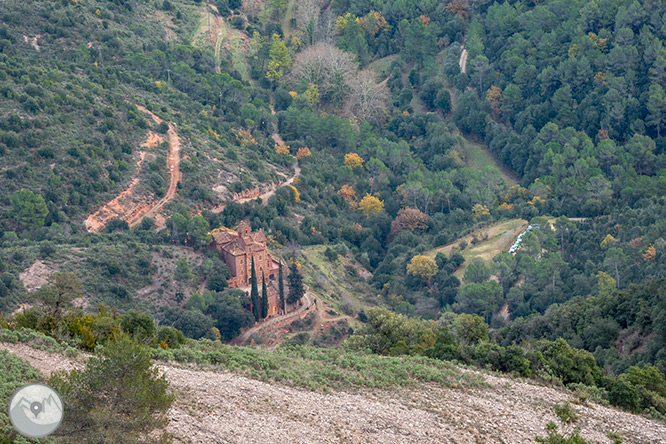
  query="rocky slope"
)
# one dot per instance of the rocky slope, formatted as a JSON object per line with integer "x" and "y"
{"x": 221, "y": 407}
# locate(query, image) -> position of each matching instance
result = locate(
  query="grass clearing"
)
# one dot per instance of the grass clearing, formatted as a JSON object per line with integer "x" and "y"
{"x": 334, "y": 281}
{"x": 201, "y": 35}
{"x": 238, "y": 59}
{"x": 381, "y": 66}
{"x": 478, "y": 157}
{"x": 286, "y": 20}
{"x": 500, "y": 237}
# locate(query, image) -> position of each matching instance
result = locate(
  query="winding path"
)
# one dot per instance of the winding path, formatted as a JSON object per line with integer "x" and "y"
{"x": 245, "y": 336}
{"x": 127, "y": 205}
{"x": 173, "y": 165}
{"x": 268, "y": 191}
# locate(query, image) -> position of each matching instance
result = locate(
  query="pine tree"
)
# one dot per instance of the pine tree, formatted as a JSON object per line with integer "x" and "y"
{"x": 279, "y": 58}
{"x": 254, "y": 294}
{"x": 296, "y": 289}
{"x": 281, "y": 289}
{"x": 122, "y": 383}
{"x": 264, "y": 297}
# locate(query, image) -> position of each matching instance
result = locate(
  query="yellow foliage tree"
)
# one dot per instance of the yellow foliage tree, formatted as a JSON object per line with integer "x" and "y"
{"x": 347, "y": 193}
{"x": 650, "y": 254}
{"x": 506, "y": 206}
{"x": 600, "y": 77}
{"x": 312, "y": 93}
{"x": 353, "y": 160}
{"x": 422, "y": 266}
{"x": 537, "y": 200}
{"x": 274, "y": 71}
{"x": 493, "y": 96}
{"x": 373, "y": 23}
{"x": 371, "y": 205}
{"x": 297, "y": 195}
{"x": 244, "y": 136}
{"x": 296, "y": 42}
{"x": 605, "y": 283}
{"x": 342, "y": 22}
{"x": 282, "y": 148}
{"x": 479, "y": 210}
{"x": 607, "y": 242}
{"x": 303, "y": 152}
{"x": 279, "y": 57}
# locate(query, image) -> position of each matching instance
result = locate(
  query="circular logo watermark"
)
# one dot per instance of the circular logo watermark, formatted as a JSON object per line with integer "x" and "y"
{"x": 35, "y": 410}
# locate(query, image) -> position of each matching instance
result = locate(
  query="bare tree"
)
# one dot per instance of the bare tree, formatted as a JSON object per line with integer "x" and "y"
{"x": 325, "y": 66}
{"x": 291, "y": 250}
{"x": 326, "y": 29}
{"x": 252, "y": 6}
{"x": 307, "y": 18}
{"x": 367, "y": 99}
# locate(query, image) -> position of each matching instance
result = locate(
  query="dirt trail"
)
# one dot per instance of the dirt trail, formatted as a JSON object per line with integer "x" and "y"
{"x": 216, "y": 406}
{"x": 243, "y": 338}
{"x": 260, "y": 193}
{"x": 173, "y": 165}
{"x": 463, "y": 61}
{"x": 129, "y": 205}
{"x": 273, "y": 188}
{"x": 122, "y": 206}
{"x": 218, "y": 33}
{"x": 323, "y": 319}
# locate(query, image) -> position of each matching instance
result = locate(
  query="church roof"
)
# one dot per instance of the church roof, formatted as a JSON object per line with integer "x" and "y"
{"x": 222, "y": 237}
{"x": 259, "y": 237}
{"x": 236, "y": 243}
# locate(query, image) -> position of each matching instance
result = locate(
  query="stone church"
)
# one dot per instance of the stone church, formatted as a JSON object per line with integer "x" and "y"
{"x": 237, "y": 249}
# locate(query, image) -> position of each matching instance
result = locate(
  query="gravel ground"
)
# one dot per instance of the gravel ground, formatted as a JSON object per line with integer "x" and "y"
{"x": 221, "y": 407}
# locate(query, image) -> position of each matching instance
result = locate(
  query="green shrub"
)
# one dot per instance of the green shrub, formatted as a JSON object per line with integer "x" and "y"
{"x": 624, "y": 394}
{"x": 14, "y": 372}
{"x": 170, "y": 336}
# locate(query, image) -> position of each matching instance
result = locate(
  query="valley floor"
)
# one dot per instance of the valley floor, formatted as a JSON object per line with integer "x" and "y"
{"x": 221, "y": 407}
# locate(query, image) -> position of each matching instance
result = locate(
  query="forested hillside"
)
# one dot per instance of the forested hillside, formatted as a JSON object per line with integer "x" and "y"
{"x": 400, "y": 148}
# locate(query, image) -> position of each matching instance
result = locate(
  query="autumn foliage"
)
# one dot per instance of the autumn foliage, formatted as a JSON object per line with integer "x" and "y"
{"x": 353, "y": 160}
{"x": 371, "y": 205}
{"x": 303, "y": 152}
{"x": 458, "y": 7}
{"x": 347, "y": 193}
{"x": 244, "y": 136}
{"x": 650, "y": 254}
{"x": 409, "y": 219}
{"x": 422, "y": 266}
{"x": 493, "y": 96}
{"x": 282, "y": 148}
{"x": 479, "y": 210}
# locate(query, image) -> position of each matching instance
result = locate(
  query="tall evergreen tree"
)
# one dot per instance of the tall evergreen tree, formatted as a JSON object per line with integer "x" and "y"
{"x": 254, "y": 294}
{"x": 296, "y": 289}
{"x": 281, "y": 289}
{"x": 264, "y": 296}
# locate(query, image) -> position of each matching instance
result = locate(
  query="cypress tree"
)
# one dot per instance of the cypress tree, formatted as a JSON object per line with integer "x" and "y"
{"x": 281, "y": 289}
{"x": 296, "y": 289}
{"x": 254, "y": 294}
{"x": 264, "y": 296}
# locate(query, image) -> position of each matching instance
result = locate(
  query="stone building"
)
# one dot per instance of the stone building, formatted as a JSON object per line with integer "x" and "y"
{"x": 237, "y": 249}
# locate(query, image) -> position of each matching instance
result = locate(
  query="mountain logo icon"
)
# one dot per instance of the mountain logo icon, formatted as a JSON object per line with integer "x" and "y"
{"x": 36, "y": 410}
